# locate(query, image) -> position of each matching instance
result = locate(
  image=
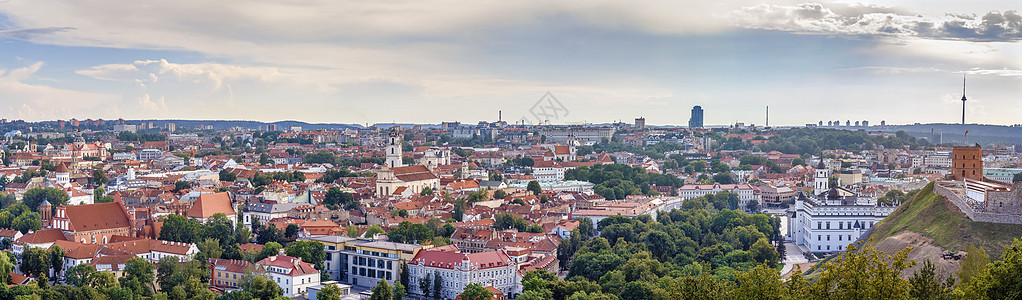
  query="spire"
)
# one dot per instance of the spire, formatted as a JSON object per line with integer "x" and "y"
{"x": 963, "y": 99}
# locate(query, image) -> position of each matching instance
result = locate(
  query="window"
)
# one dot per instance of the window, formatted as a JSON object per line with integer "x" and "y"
{"x": 828, "y": 238}
{"x": 839, "y": 237}
{"x": 828, "y": 225}
{"x": 819, "y": 225}
{"x": 840, "y": 225}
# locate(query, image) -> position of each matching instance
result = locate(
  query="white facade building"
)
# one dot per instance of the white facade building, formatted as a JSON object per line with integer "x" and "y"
{"x": 293, "y": 275}
{"x": 490, "y": 269}
{"x": 833, "y": 218}
{"x": 745, "y": 192}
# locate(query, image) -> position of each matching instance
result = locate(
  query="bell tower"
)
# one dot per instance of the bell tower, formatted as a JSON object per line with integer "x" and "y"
{"x": 821, "y": 182}
{"x": 394, "y": 149}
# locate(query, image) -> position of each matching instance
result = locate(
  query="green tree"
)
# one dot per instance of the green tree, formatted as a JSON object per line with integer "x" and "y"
{"x": 138, "y": 276}
{"x": 1017, "y": 177}
{"x": 309, "y": 251}
{"x": 976, "y": 260}
{"x": 426, "y": 191}
{"x": 864, "y": 273}
{"x": 33, "y": 197}
{"x": 210, "y": 247}
{"x": 291, "y": 232}
{"x": 534, "y": 187}
{"x": 227, "y": 176}
{"x": 926, "y": 285}
{"x": 177, "y": 228}
{"x": 80, "y": 275}
{"x": 438, "y": 285}
{"x": 35, "y": 261}
{"x": 474, "y": 291}
{"x": 382, "y": 291}
{"x": 400, "y": 291}
{"x": 329, "y": 292}
{"x": 98, "y": 177}
{"x": 6, "y": 267}
{"x": 260, "y": 287}
{"x": 181, "y": 185}
{"x": 1001, "y": 279}
{"x": 56, "y": 256}
{"x": 425, "y": 283}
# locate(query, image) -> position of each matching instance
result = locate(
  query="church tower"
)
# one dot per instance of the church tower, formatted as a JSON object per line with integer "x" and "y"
{"x": 63, "y": 175}
{"x": 821, "y": 182}
{"x": 394, "y": 150}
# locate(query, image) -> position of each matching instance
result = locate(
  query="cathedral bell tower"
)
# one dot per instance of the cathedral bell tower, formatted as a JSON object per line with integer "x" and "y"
{"x": 822, "y": 179}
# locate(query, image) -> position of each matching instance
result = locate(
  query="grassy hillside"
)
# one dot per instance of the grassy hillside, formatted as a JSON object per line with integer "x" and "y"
{"x": 935, "y": 217}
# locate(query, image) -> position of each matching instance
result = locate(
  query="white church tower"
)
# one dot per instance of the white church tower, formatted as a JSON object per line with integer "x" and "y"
{"x": 394, "y": 150}
{"x": 822, "y": 179}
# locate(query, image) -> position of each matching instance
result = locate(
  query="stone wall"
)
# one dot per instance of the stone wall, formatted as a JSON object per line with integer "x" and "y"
{"x": 966, "y": 206}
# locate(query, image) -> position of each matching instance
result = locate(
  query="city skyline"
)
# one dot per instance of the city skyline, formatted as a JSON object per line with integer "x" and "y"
{"x": 428, "y": 62}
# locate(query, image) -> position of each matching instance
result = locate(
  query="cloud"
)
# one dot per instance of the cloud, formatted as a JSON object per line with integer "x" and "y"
{"x": 842, "y": 19}
{"x": 31, "y": 33}
{"x": 25, "y": 99}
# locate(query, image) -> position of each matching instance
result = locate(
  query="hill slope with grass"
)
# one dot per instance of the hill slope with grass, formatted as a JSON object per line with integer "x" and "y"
{"x": 930, "y": 223}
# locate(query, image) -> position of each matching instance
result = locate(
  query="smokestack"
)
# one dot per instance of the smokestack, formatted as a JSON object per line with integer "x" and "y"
{"x": 499, "y": 115}
{"x": 768, "y": 116}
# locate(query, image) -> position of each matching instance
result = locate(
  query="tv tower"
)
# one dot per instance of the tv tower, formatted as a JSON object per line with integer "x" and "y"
{"x": 963, "y": 99}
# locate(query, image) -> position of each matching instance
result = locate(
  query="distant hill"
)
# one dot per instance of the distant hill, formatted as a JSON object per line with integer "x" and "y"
{"x": 955, "y": 133}
{"x": 227, "y": 124}
{"x": 932, "y": 225}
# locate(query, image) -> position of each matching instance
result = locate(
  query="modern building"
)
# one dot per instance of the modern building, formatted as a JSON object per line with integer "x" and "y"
{"x": 336, "y": 260}
{"x": 640, "y": 123}
{"x": 696, "y": 120}
{"x": 456, "y": 269}
{"x": 370, "y": 262}
{"x": 562, "y": 135}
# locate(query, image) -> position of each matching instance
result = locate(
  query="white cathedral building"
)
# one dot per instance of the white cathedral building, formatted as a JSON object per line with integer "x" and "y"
{"x": 832, "y": 218}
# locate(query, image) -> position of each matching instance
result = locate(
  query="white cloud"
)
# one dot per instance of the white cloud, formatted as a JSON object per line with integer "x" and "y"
{"x": 874, "y": 20}
{"x": 25, "y": 99}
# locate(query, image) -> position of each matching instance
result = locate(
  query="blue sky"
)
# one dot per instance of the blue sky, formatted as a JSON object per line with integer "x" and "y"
{"x": 432, "y": 61}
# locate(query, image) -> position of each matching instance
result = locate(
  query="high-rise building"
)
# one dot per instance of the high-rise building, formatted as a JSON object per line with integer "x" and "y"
{"x": 696, "y": 121}
{"x": 640, "y": 123}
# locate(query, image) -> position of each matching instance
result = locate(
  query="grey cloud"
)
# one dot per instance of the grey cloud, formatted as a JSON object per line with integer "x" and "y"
{"x": 872, "y": 20}
{"x": 30, "y": 33}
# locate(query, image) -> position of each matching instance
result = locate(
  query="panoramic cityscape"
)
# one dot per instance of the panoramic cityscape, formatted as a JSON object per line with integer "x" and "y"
{"x": 579, "y": 150}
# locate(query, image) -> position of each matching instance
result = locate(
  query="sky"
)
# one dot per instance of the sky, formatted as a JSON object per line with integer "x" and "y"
{"x": 562, "y": 62}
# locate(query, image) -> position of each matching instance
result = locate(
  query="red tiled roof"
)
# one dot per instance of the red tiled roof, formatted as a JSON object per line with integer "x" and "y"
{"x": 413, "y": 173}
{"x": 211, "y": 204}
{"x": 43, "y": 236}
{"x": 297, "y": 266}
{"x": 96, "y": 216}
{"x": 450, "y": 260}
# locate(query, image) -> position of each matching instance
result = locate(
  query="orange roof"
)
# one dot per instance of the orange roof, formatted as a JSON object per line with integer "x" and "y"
{"x": 211, "y": 204}
{"x": 96, "y": 216}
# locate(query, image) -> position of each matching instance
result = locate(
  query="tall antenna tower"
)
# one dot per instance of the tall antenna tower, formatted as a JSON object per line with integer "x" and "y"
{"x": 963, "y": 99}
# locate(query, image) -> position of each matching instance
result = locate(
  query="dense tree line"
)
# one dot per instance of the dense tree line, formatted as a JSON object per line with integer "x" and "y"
{"x": 814, "y": 140}
{"x": 617, "y": 181}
